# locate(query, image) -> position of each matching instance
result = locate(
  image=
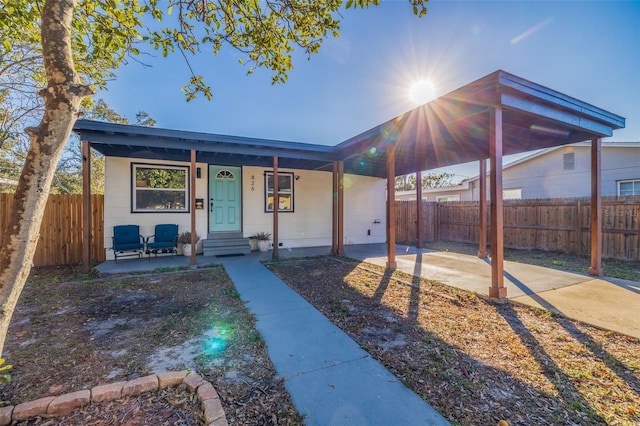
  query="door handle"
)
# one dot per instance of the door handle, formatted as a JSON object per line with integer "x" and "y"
{"x": 211, "y": 206}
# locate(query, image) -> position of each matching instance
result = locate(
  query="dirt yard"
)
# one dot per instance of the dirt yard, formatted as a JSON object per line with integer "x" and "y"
{"x": 67, "y": 336}
{"x": 475, "y": 361}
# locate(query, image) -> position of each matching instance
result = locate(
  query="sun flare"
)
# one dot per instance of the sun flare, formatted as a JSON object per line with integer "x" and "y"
{"x": 422, "y": 91}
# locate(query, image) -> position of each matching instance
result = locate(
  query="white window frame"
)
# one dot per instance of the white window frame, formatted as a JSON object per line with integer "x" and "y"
{"x": 569, "y": 161}
{"x": 268, "y": 192}
{"x": 512, "y": 194}
{"x": 134, "y": 188}
{"x": 635, "y": 183}
{"x": 446, "y": 198}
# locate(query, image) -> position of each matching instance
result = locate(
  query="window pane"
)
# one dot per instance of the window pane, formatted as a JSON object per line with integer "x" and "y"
{"x": 626, "y": 188}
{"x": 285, "y": 191}
{"x": 161, "y": 178}
{"x": 569, "y": 161}
{"x": 284, "y": 200}
{"x": 160, "y": 200}
{"x": 284, "y": 183}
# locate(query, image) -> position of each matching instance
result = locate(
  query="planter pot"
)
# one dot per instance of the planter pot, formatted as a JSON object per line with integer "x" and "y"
{"x": 186, "y": 249}
{"x": 179, "y": 249}
{"x": 254, "y": 244}
{"x": 200, "y": 247}
{"x": 263, "y": 245}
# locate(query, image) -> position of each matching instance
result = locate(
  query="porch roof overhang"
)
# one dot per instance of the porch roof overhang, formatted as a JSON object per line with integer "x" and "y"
{"x": 450, "y": 130}
{"x": 454, "y": 128}
{"x": 120, "y": 140}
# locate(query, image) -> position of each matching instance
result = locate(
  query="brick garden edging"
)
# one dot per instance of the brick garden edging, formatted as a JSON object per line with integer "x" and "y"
{"x": 63, "y": 405}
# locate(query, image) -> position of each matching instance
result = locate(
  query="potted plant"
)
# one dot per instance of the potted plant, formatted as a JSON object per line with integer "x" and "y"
{"x": 263, "y": 240}
{"x": 184, "y": 243}
{"x": 253, "y": 243}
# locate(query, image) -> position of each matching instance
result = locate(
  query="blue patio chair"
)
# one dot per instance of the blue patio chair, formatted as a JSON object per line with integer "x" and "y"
{"x": 165, "y": 240}
{"x": 127, "y": 241}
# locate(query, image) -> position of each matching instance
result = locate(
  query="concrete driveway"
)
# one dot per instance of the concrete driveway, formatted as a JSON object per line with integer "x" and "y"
{"x": 609, "y": 303}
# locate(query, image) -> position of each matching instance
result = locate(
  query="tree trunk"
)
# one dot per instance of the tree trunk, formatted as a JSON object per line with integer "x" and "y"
{"x": 62, "y": 98}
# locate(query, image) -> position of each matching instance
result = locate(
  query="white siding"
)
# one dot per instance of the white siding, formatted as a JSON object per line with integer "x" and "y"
{"x": 310, "y": 223}
{"x": 117, "y": 202}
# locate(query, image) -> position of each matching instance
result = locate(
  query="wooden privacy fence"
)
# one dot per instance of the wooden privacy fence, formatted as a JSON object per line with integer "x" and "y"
{"x": 60, "y": 241}
{"x": 550, "y": 224}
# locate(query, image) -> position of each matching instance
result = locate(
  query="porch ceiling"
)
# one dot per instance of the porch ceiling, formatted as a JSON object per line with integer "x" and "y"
{"x": 450, "y": 130}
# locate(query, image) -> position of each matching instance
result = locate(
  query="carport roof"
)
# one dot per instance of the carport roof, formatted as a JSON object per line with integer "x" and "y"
{"x": 450, "y": 130}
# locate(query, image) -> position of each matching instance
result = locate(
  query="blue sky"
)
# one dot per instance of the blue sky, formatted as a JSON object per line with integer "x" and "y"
{"x": 588, "y": 50}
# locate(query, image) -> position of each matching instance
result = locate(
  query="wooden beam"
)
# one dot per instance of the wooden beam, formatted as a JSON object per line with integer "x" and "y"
{"x": 391, "y": 207}
{"x": 192, "y": 206}
{"x": 276, "y": 206}
{"x": 86, "y": 207}
{"x": 340, "y": 207}
{"x": 482, "y": 214}
{"x": 497, "y": 289}
{"x": 596, "y": 208}
{"x": 334, "y": 211}
{"x": 420, "y": 218}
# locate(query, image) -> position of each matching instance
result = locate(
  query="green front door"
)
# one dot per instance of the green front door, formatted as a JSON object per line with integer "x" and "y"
{"x": 225, "y": 201}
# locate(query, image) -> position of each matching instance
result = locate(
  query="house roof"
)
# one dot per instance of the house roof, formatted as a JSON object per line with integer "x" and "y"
{"x": 605, "y": 145}
{"x": 450, "y": 130}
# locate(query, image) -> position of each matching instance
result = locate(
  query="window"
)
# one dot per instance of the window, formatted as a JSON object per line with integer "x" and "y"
{"x": 157, "y": 188}
{"x": 569, "y": 161}
{"x": 285, "y": 192}
{"x": 445, "y": 198}
{"x": 628, "y": 187}
{"x": 512, "y": 194}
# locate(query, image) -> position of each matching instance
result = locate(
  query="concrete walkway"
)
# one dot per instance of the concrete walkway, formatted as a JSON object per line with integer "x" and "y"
{"x": 332, "y": 381}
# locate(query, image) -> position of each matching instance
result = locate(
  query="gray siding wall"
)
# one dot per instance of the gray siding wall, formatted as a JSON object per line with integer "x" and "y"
{"x": 545, "y": 177}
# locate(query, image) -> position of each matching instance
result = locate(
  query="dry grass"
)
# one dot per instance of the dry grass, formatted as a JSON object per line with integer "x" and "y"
{"x": 67, "y": 336}
{"x": 475, "y": 361}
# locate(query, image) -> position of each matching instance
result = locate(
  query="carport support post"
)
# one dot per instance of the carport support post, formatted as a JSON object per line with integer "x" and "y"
{"x": 497, "y": 289}
{"x": 596, "y": 208}
{"x": 334, "y": 211}
{"x": 192, "y": 204}
{"x": 419, "y": 217}
{"x": 482, "y": 214}
{"x": 276, "y": 207}
{"x": 341, "y": 207}
{"x": 86, "y": 206}
{"x": 391, "y": 207}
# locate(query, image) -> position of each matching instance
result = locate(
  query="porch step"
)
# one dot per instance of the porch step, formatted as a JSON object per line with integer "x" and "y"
{"x": 224, "y": 243}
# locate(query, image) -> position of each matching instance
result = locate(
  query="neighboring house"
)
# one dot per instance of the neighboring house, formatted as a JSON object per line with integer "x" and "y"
{"x": 558, "y": 172}
{"x": 564, "y": 171}
{"x": 440, "y": 195}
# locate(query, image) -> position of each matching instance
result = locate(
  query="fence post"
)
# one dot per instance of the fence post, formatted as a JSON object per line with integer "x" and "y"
{"x": 578, "y": 249}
